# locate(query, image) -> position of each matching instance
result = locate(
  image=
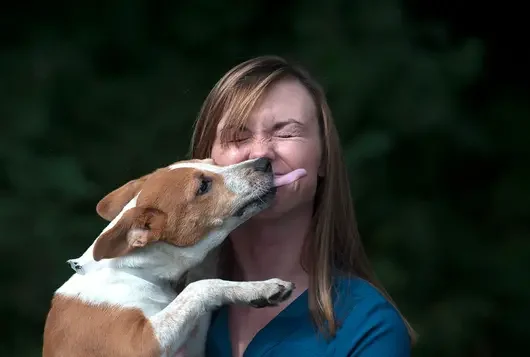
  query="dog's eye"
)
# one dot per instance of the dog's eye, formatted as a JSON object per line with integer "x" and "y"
{"x": 205, "y": 186}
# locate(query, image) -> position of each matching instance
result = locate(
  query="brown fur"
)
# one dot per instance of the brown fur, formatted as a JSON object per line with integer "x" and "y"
{"x": 137, "y": 227}
{"x": 167, "y": 209}
{"x": 111, "y": 205}
{"x": 112, "y": 331}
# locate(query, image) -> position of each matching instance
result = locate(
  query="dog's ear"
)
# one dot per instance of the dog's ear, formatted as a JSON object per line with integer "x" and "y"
{"x": 136, "y": 228}
{"x": 112, "y": 204}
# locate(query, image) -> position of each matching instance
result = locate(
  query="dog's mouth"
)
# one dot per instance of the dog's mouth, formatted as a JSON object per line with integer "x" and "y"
{"x": 267, "y": 197}
{"x": 290, "y": 177}
{"x": 262, "y": 200}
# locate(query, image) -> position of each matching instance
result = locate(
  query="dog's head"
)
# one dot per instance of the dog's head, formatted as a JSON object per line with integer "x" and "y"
{"x": 187, "y": 204}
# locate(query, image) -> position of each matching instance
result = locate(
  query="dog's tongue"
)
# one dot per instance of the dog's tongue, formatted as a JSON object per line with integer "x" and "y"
{"x": 281, "y": 180}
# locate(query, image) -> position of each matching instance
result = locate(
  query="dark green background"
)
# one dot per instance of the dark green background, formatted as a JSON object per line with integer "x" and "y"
{"x": 431, "y": 102}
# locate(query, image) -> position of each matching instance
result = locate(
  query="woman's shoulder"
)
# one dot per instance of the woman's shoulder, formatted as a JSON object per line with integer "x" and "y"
{"x": 357, "y": 290}
{"x": 369, "y": 324}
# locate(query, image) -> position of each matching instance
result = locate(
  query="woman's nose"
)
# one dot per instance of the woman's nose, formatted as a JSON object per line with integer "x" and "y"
{"x": 262, "y": 148}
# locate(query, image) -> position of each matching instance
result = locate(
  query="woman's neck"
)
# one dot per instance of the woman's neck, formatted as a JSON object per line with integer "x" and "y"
{"x": 270, "y": 248}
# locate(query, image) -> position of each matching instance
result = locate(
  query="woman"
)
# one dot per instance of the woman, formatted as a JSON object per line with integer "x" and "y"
{"x": 266, "y": 107}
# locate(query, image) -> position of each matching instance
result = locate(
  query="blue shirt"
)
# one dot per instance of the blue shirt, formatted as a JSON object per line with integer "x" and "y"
{"x": 369, "y": 327}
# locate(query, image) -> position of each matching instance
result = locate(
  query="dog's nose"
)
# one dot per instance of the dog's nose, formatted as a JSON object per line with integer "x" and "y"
{"x": 263, "y": 165}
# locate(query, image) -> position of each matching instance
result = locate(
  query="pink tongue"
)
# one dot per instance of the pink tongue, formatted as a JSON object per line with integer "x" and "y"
{"x": 281, "y": 180}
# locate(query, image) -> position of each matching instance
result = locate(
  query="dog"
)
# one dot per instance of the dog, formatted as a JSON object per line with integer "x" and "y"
{"x": 122, "y": 301}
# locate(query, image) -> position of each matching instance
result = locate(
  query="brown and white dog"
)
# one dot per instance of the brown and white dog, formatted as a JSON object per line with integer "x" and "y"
{"x": 121, "y": 300}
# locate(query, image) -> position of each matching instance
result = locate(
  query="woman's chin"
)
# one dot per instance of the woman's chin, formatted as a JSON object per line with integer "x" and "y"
{"x": 277, "y": 210}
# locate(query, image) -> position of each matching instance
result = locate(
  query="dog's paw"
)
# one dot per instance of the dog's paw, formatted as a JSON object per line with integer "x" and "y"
{"x": 272, "y": 292}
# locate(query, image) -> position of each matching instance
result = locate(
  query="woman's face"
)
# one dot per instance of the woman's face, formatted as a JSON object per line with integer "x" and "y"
{"x": 284, "y": 128}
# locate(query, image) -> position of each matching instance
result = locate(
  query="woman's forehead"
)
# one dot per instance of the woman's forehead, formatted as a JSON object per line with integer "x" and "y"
{"x": 287, "y": 102}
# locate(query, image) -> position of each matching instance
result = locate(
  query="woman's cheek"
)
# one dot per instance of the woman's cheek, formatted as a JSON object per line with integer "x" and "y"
{"x": 227, "y": 156}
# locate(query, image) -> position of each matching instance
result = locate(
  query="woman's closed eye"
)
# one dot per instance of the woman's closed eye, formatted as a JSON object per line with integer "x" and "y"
{"x": 239, "y": 140}
{"x": 287, "y": 134}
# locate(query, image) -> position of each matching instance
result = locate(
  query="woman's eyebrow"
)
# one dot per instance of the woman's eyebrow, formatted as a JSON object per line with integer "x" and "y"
{"x": 284, "y": 123}
{"x": 233, "y": 128}
{"x": 277, "y": 126}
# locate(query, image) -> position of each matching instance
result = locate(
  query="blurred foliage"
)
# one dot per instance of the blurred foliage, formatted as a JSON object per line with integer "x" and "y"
{"x": 92, "y": 96}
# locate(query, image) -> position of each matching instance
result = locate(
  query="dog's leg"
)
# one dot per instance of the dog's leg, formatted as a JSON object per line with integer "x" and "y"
{"x": 207, "y": 269}
{"x": 174, "y": 324}
{"x": 195, "y": 346}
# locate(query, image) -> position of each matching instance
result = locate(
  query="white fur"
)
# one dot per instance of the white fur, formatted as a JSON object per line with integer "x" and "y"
{"x": 143, "y": 278}
{"x": 197, "y": 300}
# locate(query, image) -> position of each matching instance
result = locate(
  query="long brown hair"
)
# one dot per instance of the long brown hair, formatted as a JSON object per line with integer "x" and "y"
{"x": 336, "y": 245}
